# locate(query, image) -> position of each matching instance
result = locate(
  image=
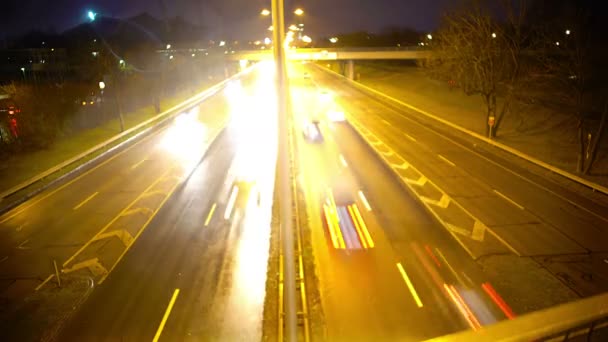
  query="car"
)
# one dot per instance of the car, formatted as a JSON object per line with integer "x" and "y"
{"x": 312, "y": 131}
{"x": 346, "y": 227}
{"x": 9, "y": 129}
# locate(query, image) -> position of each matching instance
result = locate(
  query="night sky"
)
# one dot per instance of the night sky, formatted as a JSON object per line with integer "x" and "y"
{"x": 227, "y": 19}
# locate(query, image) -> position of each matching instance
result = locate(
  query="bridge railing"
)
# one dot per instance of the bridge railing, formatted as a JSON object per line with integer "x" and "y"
{"x": 583, "y": 320}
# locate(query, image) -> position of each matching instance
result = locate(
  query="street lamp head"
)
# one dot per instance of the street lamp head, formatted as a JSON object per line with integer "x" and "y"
{"x": 333, "y": 40}
{"x": 293, "y": 27}
{"x": 568, "y": 32}
{"x": 265, "y": 12}
{"x": 298, "y": 11}
{"x": 22, "y": 69}
{"x": 270, "y": 28}
{"x": 493, "y": 35}
{"x": 429, "y": 36}
{"x": 168, "y": 46}
{"x": 307, "y": 39}
{"x": 102, "y": 85}
{"x": 91, "y": 15}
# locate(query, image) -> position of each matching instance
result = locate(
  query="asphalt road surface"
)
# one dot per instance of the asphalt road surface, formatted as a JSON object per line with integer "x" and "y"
{"x": 406, "y": 278}
{"x": 198, "y": 269}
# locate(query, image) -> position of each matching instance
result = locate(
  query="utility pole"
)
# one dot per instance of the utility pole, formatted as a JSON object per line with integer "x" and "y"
{"x": 282, "y": 83}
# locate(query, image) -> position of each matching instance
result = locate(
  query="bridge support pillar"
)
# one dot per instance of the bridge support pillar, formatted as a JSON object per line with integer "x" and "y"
{"x": 350, "y": 69}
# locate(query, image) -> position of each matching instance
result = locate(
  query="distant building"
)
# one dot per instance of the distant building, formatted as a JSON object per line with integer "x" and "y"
{"x": 32, "y": 65}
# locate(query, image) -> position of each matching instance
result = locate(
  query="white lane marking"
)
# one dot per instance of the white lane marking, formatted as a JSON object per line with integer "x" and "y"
{"x": 44, "y": 282}
{"x": 446, "y": 160}
{"x": 22, "y": 245}
{"x": 166, "y": 316}
{"x": 85, "y": 201}
{"x": 231, "y": 201}
{"x": 409, "y": 285}
{"x": 364, "y": 200}
{"x": 343, "y": 161}
{"x": 410, "y": 137}
{"x": 137, "y": 164}
{"x": 210, "y": 215}
{"x": 508, "y": 199}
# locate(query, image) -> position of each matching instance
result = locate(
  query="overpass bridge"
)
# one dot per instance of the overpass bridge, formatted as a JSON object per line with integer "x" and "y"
{"x": 335, "y": 54}
{"x": 349, "y": 55}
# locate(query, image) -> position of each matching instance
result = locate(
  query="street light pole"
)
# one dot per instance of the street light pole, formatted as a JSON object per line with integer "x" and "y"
{"x": 289, "y": 283}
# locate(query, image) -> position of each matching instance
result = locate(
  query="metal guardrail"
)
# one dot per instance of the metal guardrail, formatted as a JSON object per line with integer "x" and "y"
{"x": 586, "y": 318}
{"x": 563, "y": 173}
{"x": 157, "y": 120}
{"x": 303, "y": 318}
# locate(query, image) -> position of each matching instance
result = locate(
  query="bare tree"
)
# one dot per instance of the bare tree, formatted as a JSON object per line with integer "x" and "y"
{"x": 565, "y": 57}
{"x": 481, "y": 55}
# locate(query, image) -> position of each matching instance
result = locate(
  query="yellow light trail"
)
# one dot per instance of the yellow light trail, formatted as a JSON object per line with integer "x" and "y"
{"x": 210, "y": 215}
{"x": 409, "y": 285}
{"x": 366, "y": 234}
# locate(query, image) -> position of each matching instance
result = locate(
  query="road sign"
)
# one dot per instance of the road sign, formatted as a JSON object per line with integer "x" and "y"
{"x": 491, "y": 121}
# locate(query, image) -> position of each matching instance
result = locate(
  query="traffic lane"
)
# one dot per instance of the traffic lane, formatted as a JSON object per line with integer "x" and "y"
{"x": 363, "y": 292}
{"x": 61, "y": 197}
{"x": 413, "y": 234}
{"x": 491, "y": 197}
{"x": 62, "y": 233}
{"x": 53, "y": 227}
{"x": 214, "y": 249}
{"x": 568, "y": 212}
{"x": 177, "y": 251}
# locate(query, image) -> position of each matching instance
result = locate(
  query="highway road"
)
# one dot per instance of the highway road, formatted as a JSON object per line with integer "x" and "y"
{"x": 199, "y": 209}
{"x": 528, "y": 213}
{"x": 175, "y": 229}
{"x": 386, "y": 269}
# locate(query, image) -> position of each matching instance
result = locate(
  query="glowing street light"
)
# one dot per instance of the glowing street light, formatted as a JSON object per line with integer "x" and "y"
{"x": 429, "y": 36}
{"x": 168, "y": 46}
{"x": 493, "y": 35}
{"x": 267, "y": 41}
{"x": 222, "y": 43}
{"x": 298, "y": 12}
{"x": 306, "y": 39}
{"x": 102, "y": 85}
{"x": 333, "y": 40}
{"x": 270, "y": 28}
{"x": 568, "y": 32}
{"x": 91, "y": 15}
{"x": 293, "y": 27}
{"x": 265, "y": 12}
